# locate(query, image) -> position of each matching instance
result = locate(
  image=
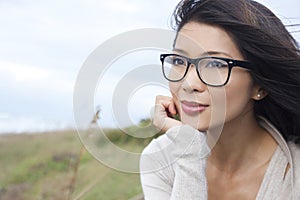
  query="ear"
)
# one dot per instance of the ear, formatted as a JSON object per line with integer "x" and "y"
{"x": 258, "y": 93}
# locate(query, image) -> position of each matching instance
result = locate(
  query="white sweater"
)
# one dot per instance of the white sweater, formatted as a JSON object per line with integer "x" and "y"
{"x": 173, "y": 167}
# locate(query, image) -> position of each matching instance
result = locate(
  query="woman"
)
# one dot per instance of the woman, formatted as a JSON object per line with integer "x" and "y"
{"x": 238, "y": 54}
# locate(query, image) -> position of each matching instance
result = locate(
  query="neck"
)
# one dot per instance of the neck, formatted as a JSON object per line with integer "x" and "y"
{"x": 241, "y": 143}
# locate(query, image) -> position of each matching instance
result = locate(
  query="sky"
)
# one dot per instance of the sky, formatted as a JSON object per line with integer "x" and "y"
{"x": 44, "y": 45}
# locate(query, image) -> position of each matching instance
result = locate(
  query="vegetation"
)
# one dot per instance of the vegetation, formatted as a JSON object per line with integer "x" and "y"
{"x": 55, "y": 166}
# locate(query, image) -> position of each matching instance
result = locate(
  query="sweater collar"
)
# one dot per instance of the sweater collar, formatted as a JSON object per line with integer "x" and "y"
{"x": 277, "y": 136}
{"x": 281, "y": 142}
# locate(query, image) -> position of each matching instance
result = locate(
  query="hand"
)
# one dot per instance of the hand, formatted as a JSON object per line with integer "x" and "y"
{"x": 164, "y": 112}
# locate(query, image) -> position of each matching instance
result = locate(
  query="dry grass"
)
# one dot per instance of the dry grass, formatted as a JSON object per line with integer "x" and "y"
{"x": 41, "y": 166}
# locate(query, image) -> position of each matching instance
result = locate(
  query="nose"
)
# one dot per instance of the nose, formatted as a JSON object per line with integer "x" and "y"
{"x": 191, "y": 82}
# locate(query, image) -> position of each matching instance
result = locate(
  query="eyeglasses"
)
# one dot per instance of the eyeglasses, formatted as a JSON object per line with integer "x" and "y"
{"x": 212, "y": 71}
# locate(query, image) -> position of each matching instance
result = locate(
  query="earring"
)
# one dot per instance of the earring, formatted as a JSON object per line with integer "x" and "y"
{"x": 258, "y": 95}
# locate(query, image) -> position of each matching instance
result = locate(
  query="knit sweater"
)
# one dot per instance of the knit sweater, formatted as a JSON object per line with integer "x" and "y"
{"x": 173, "y": 166}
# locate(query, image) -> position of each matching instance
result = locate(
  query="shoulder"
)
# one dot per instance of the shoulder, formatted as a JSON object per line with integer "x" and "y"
{"x": 155, "y": 157}
{"x": 295, "y": 152}
{"x": 157, "y": 145}
{"x": 155, "y": 162}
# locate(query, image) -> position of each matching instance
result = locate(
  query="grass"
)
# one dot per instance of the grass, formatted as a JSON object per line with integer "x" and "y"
{"x": 41, "y": 166}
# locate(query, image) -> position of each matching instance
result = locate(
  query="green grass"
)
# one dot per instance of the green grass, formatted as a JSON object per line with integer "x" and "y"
{"x": 41, "y": 166}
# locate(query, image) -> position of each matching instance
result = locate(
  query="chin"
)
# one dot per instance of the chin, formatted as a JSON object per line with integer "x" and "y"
{"x": 195, "y": 122}
{"x": 203, "y": 122}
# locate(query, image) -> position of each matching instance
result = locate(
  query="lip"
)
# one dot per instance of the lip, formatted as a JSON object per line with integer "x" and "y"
{"x": 193, "y": 108}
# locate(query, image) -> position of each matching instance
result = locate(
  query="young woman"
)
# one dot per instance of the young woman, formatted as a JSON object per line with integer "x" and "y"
{"x": 234, "y": 75}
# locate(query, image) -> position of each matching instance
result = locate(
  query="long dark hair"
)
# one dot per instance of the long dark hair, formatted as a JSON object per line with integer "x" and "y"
{"x": 263, "y": 40}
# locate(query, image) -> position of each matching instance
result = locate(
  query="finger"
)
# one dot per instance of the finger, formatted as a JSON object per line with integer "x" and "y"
{"x": 172, "y": 108}
{"x": 163, "y": 118}
{"x": 163, "y": 103}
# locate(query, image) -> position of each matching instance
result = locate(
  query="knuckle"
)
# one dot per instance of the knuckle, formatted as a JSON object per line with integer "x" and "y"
{"x": 162, "y": 97}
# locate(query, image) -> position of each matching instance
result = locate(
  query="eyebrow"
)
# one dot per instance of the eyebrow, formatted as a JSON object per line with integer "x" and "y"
{"x": 207, "y": 53}
{"x": 179, "y": 50}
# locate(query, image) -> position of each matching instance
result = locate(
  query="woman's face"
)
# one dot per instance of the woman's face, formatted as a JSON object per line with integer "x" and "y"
{"x": 203, "y": 106}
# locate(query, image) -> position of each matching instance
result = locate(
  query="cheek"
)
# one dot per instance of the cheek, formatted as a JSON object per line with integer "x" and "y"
{"x": 238, "y": 96}
{"x": 174, "y": 89}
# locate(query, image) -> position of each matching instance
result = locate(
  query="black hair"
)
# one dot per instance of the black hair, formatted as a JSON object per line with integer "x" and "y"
{"x": 264, "y": 41}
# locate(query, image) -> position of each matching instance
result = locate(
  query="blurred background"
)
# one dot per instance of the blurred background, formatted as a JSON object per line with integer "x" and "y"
{"x": 43, "y": 46}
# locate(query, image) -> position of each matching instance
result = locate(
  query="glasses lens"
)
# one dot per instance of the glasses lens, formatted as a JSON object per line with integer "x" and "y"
{"x": 213, "y": 71}
{"x": 174, "y": 67}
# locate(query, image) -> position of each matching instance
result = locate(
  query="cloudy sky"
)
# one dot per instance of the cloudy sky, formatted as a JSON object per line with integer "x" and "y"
{"x": 45, "y": 43}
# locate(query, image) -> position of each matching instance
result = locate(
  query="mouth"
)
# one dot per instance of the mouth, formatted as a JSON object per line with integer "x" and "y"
{"x": 193, "y": 108}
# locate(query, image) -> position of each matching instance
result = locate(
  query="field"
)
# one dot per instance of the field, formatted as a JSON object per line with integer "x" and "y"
{"x": 55, "y": 166}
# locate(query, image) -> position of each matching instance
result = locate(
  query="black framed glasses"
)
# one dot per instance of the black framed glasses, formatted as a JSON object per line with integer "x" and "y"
{"x": 212, "y": 71}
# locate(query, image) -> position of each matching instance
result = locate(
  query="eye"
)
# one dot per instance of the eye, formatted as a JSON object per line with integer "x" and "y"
{"x": 175, "y": 60}
{"x": 178, "y": 61}
{"x": 216, "y": 64}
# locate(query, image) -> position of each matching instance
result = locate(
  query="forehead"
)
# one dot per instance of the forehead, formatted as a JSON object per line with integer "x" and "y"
{"x": 198, "y": 38}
